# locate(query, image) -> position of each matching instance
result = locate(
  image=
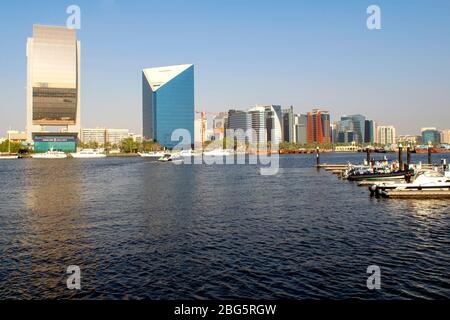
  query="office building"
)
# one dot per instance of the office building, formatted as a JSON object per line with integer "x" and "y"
{"x": 409, "y": 140}
{"x": 319, "y": 127}
{"x": 301, "y": 129}
{"x": 239, "y": 121}
{"x": 16, "y": 136}
{"x": 220, "y": 125}
{"x": 431, "y": 136}
{"x": 258, "y": 124}
{"x": 289, "y": 125}
{"x": 106, "y": 137}
{"x": 445, "y": 136}
{"x": 53, "y": 88}
{"x": 386, "y": 135}
{"x": 370, "y": 132}
{"x": 273, "y": 115}
{"x": 168, "y": 103}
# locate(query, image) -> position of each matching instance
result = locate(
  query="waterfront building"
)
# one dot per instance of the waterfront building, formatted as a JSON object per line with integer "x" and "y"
{"x": 431, "y": 136}
{"x": 370, "y": 132}
{"x": 319, "y": 127}
{"x": 334, "y": 132}
{"x": 220, "y": 124}
{"x": 301, "y": 129}
{"x": 346, "y": 137}
{"x": 354, "y": 126}
{"x": 409, "y": 140}
{"x": 97, "y": 135}
{"x": 258, "y": 124}
{"x": 289, "y": 125}
{"x": 105, "y": 136}
{"x": 115, "y": 136}
{"x": 200, "y": 128}
{"x": 53, "y": 88}
{"x": 386, "y": 135}
{"x": 273, "y": 115}
{"x": 16, "y": 136}
{"x": 445, "y": 136}
{"x": 168, "y": 103}
{"x": 239, "y": 120}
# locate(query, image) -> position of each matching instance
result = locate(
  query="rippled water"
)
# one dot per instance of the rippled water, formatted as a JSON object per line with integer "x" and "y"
{"x": 140, "y": 229}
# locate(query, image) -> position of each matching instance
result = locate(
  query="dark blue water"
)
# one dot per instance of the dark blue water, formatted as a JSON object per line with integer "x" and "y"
{"x": 145, "y": 230}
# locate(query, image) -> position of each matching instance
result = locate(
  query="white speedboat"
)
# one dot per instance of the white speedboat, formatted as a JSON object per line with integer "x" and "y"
{"x": 154, "y": 155}
{"x": 424, "y": 180}
{"x": 8, "y": 156}
{"x": 50, "y": 155}
{"x": 174, "y": 158}
{"x": 218, "y": 153}
{"x": 88, "y": 154}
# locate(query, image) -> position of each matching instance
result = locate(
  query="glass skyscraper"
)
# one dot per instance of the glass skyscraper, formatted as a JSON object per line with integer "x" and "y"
{"x": 168, "y": 103}
{"x": 53, "y": 87}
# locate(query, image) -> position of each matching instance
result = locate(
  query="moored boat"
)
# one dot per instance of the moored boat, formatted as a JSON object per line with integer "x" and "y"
{"x": 89, "y": 154}
{"x": 51, "y": 154}
{"x": 426, "y": 183}
{"x": 153, "y": 155}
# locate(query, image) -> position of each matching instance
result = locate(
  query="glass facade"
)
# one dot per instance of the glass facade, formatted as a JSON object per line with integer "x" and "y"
{"x": 168, "y": 106}
{"x": 53, "y": 77}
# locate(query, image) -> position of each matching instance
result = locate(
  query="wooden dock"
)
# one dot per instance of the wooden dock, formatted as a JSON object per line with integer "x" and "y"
{"x": 418, "y": 194}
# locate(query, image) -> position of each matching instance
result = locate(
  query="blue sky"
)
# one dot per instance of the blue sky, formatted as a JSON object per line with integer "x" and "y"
{"x": 302, "y": 53}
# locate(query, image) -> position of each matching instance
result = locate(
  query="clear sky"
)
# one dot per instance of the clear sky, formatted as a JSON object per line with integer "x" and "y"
{"x": 302, "y": 53}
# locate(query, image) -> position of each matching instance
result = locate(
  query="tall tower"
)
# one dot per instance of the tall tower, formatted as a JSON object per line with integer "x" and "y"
{"x": 168, "y": 103}
{"x": 53, "y": 88}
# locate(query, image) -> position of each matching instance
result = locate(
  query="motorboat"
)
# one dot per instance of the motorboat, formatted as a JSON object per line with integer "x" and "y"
{"x": 7, "y": 156}
{"x": 174, "y": 158}
{"x": 218, "y": 153}
{"x": 153, "y": 155}
{"x": 379, "y": 171}
{"x": 89, "y": 154}
{"x": 425, "y": 181}
{"x": 51, "y": 154}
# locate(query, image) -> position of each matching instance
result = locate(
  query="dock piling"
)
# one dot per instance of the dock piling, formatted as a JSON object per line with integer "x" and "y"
{"x": 318, "y": 157}
{"x": 429, "y": 156}
{"x": 400, "y": 156}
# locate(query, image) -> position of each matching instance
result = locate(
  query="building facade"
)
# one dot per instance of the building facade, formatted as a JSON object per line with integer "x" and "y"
{"x": 53, "y": 88}
{"x": 289, "y": 125}
{"x": 431, "y": 136}
{"x": 274, "y": 115}
{"x": 445, "y": 136}
{"x": 301, "y": 129}
{"x": 239, "y": 121}
{"x": 386, "y": 135}
{"x": 370, "y": 132}
{"x": 258, "y": 124}
{"x": 168, "y": 103}
{"x": 319, "y": 127}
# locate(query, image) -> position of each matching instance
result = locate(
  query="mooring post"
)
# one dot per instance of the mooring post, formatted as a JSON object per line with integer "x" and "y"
{"x": 429, "y": 156}
{"x": 400, "y": 157}
{"x": 408, "y": 155}
{"x": 318, "y": 157}
{"x": 368, "y": 156}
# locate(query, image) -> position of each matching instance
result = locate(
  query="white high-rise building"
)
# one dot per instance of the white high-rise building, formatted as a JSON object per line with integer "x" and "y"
{"x": 386, "y": 135}
{"x": 445, "y": 136}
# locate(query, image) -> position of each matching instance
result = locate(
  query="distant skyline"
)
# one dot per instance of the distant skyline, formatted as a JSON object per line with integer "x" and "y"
{"x": 309, "y": 54}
